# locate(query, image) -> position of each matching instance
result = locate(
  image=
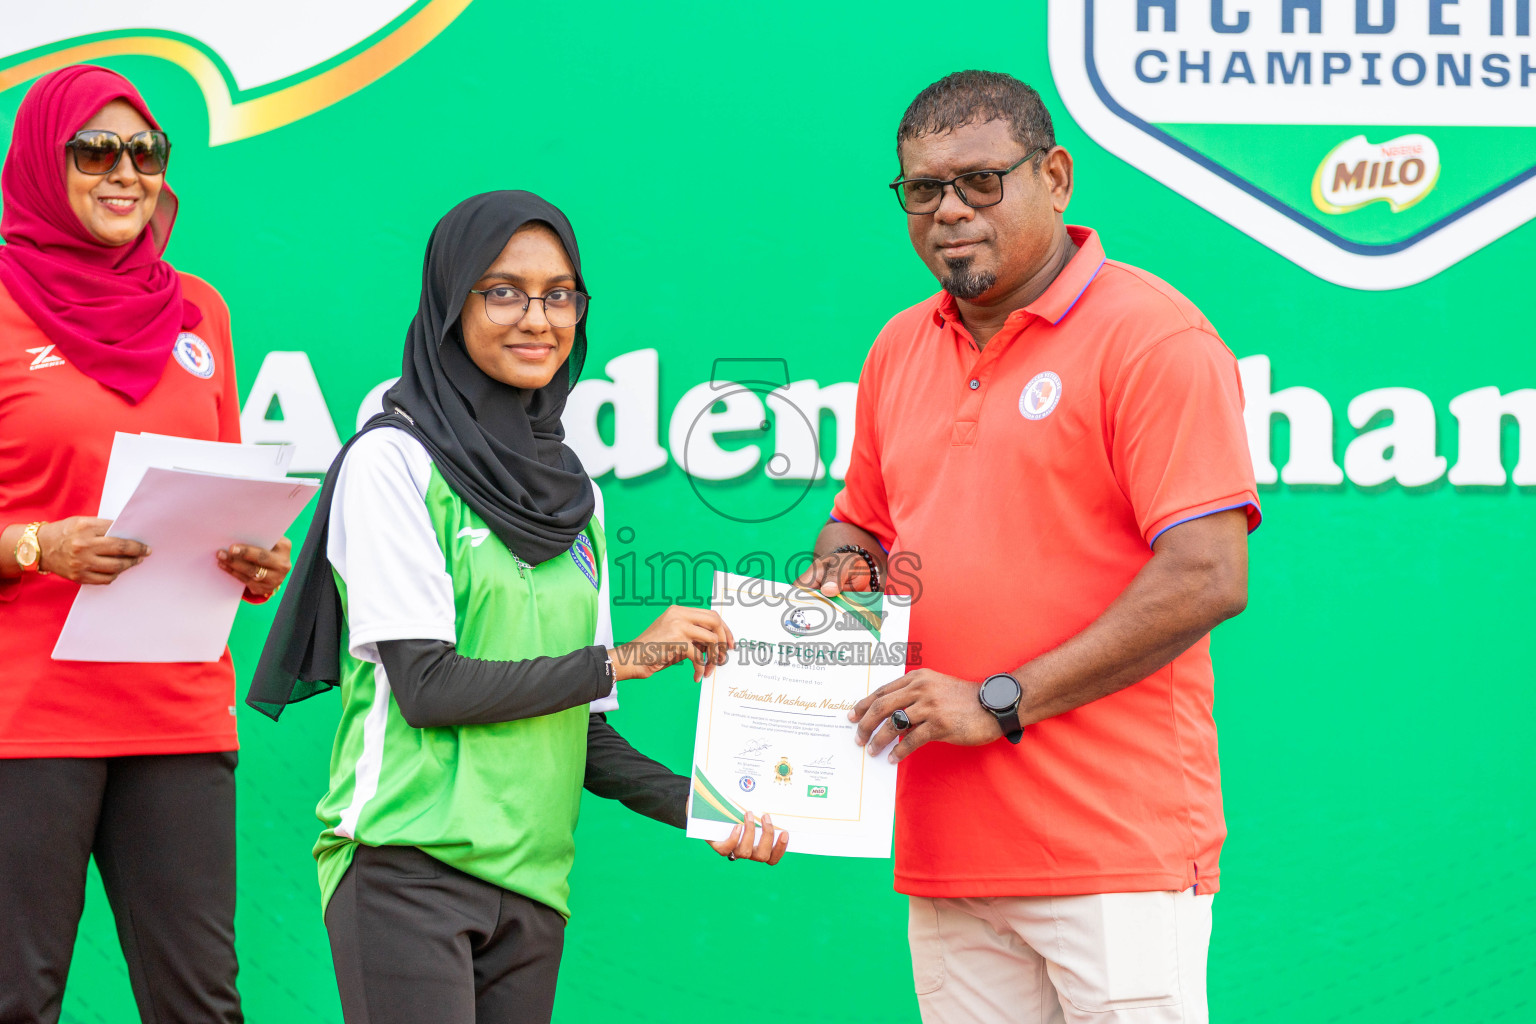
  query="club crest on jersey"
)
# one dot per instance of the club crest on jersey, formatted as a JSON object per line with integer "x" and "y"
{"x": 193, "y": 354}
{"x": 1040, "y": 396}
{"x": 581, "y": 554}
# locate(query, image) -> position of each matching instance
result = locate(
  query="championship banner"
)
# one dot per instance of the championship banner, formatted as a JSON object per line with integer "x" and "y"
{"x": 1319, "y": 127}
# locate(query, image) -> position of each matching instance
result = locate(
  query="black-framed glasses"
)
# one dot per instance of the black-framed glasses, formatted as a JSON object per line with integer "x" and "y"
{"x": 97, "y": 152}
{"x": 976, "y": 189}
{"x": 506, "y": 305}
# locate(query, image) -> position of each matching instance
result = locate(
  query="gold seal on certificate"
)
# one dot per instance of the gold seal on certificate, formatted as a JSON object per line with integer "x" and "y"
{"x": 773, "y": 731}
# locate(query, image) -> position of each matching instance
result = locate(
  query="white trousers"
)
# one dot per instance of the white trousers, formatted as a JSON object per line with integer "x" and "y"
{"x": 1117, "y": 958}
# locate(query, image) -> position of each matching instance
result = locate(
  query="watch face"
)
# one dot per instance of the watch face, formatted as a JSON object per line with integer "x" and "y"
{"x": 26, "y": 554}
{"x": 1000, "y": 693}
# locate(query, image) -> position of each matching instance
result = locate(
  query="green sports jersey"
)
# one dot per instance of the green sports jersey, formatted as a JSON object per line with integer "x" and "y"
{"x": 496, "y": 801}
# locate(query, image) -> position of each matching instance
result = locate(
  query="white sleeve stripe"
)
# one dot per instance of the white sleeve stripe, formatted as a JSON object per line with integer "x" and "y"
{"x": 370, "y": 764}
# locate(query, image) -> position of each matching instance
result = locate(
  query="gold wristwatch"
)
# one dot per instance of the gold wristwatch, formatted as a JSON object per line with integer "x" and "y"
{"x": 29, "y": 553}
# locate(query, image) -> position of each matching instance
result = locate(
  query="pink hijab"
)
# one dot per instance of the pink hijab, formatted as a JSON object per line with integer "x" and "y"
{"x": 113, "y": 312}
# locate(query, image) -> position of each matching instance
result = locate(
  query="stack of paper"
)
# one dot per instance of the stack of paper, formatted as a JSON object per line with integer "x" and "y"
{"x": 187, "y": 500}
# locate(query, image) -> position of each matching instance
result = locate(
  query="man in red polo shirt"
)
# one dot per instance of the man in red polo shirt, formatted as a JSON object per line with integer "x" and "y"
{"x": 1049, "y": 457}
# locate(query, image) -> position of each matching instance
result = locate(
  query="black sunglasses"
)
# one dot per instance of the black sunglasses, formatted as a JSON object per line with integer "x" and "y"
{"x": 97, "y": 152}
{"x": 976, "y": 189}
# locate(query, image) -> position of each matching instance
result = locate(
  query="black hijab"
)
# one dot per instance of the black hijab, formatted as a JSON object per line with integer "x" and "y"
{"x": 501, "y": 449}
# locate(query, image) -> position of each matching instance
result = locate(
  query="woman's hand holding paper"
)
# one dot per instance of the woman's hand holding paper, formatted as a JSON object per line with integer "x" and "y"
{"x": 79, "y": 550}
{"x": 679, "y": 633}
{"x": 261, "y": 571}
{"x": 753, "y": 840}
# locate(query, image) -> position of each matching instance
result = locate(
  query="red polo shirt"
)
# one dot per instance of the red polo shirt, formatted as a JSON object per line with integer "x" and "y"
{"x": 1031, "y": 479}
{"x": 56, "y": 430}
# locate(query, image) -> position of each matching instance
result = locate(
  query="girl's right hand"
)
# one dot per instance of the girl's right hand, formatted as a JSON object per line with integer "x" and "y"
{"x": 79, "y": 550}
{"x": 678, "y": 633}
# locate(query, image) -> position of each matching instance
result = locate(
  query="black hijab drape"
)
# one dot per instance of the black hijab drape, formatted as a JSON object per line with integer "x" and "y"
{"x": 500, "y": 448}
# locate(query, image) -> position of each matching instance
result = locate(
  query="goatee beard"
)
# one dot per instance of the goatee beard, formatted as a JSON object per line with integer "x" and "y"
{"x": 965, "y": 283}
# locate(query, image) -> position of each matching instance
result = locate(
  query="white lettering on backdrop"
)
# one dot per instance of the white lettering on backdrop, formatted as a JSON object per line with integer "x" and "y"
{"x": 1396, "y": 440}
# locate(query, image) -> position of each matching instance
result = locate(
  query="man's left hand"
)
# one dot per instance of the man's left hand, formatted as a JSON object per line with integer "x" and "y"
{"x": 941, "y": 708}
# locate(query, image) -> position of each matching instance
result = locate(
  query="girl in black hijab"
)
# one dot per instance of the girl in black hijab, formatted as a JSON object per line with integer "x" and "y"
{"x": 454, "y": 586}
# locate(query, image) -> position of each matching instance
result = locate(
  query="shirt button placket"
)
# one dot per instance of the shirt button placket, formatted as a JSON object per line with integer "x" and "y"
{"x": 969, "y": 415}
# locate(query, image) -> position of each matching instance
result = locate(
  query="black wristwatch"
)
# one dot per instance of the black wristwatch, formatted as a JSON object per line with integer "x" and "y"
{"x": 1000, "y": 695}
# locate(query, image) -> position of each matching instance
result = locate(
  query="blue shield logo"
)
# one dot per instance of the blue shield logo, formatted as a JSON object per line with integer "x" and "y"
{"x": 581, "y": 554}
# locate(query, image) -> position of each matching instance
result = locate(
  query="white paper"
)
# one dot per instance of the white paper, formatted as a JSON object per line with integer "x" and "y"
{"x": 178, "y": 605}
{"x": 773, "y": 733}
{"x": 132, "y": 454}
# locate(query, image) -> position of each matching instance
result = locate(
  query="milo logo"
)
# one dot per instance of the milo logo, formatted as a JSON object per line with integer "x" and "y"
{"x": 820, "y": 791}
{"x": 1356, "y": 173}
{"x": 1235, "y": 104}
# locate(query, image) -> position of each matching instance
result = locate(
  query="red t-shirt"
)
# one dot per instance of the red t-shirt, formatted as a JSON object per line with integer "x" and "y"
{"x": 1031, "y": 478}
{"x": 56, "y": 430}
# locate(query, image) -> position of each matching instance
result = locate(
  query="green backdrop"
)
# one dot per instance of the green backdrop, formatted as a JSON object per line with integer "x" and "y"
{"x": 725, "y": 166}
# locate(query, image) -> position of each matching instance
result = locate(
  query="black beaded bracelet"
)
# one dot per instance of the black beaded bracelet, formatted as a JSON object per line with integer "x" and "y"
{"x": 869, "y": 560}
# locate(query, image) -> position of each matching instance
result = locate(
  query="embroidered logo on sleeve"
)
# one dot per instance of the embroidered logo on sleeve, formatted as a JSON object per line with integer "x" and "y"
{"x": 44, "y": 358}
{"x": 1040, "y": 396}
{"x": 581, "y": 554}
{"x": 193, "y": 354}
{"x": 476, "y": 537}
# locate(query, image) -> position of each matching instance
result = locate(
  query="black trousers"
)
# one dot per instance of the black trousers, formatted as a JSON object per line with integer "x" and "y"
{"x": 415, "y": 940}
{"x": 162, "y": 830}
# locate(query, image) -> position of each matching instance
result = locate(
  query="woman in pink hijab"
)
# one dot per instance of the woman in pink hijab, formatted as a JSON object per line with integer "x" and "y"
{"x": 132, "y": 764}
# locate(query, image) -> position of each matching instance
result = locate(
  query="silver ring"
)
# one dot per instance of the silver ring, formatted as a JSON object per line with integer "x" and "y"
{"x": 900, "y": 720}
{"x": 731, "y": 855}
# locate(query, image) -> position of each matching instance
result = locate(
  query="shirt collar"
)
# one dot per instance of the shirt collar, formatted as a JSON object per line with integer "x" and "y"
{"x": 1061, "y": 295}
{"x": 1074, "y": 278}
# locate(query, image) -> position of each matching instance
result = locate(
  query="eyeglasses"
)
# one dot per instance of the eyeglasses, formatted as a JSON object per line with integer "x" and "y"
{"x": 976, "y": 189}
{"x": 98, "y": 152}
{"x": 506, "y": 305}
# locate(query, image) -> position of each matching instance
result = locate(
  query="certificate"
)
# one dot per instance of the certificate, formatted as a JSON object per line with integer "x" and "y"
{"x": 773, "y": 732}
